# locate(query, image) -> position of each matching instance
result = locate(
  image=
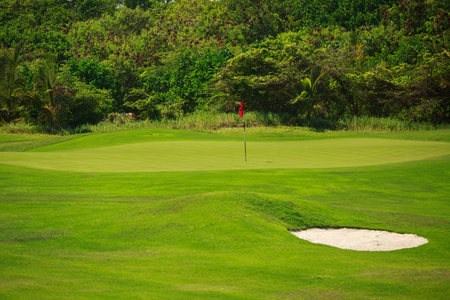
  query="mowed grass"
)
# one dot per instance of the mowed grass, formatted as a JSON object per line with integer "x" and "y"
{"x": 172, "y": 214}
{"x": 150, "y": 151}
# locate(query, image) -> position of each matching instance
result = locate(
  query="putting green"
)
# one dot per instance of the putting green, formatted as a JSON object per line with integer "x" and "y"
{"x": 229, "y": 155}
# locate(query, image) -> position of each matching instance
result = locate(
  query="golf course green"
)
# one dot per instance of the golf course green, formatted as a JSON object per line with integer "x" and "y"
{"x": 177, "y": 214}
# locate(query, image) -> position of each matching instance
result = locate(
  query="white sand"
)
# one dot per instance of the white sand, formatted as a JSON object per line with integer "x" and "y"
{"x": 361, "y": 239}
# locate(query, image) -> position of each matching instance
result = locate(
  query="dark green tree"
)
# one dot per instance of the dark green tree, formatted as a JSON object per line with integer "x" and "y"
{"x": 10, "y": 86}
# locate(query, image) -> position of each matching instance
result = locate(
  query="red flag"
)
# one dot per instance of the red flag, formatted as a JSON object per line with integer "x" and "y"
{"x": 241, "y": 109}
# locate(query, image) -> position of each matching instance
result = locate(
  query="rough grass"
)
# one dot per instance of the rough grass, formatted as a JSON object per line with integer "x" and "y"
{"x": 372, "y": 124}
{"x": 219, "y": 233}
{"x": 202, "y": 120}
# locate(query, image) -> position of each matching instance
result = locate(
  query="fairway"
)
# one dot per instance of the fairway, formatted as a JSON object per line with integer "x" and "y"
{"x": 175, "y": 214}
{"x": 229, "y": 155}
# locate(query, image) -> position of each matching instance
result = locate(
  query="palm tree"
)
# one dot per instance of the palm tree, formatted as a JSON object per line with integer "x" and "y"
{"x": 46, "y": 77}
{"x": 309, "y": 87}
{"x": 9, "y": 85}
{"x": 45, "y": 80}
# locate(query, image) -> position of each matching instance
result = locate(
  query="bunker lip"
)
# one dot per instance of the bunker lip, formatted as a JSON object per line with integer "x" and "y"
{"x": 360, "y": 239}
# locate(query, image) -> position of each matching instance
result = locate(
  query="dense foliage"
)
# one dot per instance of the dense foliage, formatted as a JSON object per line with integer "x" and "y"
{"x": 68, "y": 63}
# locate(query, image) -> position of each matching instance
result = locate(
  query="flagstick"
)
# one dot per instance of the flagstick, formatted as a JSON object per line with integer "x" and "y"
{"x": 245, "y": 141}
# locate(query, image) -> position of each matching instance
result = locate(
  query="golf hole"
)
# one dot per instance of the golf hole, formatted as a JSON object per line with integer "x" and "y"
{"x": 360, "y": 239}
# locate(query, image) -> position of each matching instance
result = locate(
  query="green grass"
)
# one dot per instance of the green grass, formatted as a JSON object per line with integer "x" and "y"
{"x": 373, "y": 124}
{"x": 74, "y": 226}
{"x": 211, "y": 121}
{"x": 227, "y": 155}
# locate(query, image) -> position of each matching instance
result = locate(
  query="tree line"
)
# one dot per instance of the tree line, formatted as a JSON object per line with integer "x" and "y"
{"x": 67, "y": 63}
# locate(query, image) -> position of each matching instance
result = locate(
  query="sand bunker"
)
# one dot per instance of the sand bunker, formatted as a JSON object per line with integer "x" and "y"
{"x": 361, "y": 239}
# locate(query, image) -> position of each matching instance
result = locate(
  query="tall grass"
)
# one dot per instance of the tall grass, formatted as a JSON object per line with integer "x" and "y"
{"x": 372, "y": 124}
{"x": 197, "y": 121}
{"x": 22, "y": 127}
{"x": 211, "y": 121}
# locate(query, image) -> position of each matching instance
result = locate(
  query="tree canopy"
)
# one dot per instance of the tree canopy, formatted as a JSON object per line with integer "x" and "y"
{"x": 67, "y": 63}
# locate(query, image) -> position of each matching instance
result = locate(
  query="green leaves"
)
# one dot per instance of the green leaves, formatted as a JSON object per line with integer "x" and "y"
{"x": 190, "y": 55}
{"x": 9, "y": 83}
{"x": 46, "y": 76}
{"x": 182, "y": 87}
{"x": 272, "y": 77}
{"x": 349, "y": 14}
{"x": 91, "y": 72}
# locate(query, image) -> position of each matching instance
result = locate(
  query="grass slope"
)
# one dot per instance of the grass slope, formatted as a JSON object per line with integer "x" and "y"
{"x": 222, "y": 233}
